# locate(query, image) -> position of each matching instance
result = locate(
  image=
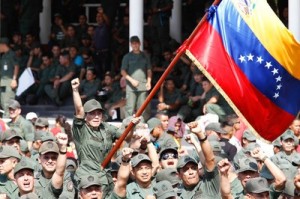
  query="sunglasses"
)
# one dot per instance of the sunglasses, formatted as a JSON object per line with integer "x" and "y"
{"x": 169, "y": 155}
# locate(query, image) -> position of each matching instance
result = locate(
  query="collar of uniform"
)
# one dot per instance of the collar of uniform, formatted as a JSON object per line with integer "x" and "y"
{"x": 3, "y": 180}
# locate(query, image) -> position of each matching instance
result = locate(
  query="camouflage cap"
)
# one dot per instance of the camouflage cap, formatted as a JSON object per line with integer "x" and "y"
{"x": 216, "y": 127}
{"x": 14, "y": 104}
{"x": 257, "y": 185}
{"x": 184, "y": 160}
{"x": 41, "y": 122}
{"x": 249, "y": 135}
{"x": 251, "y": 146}
{"x": 4, "y": 40}
{"x": 29, "y": 196}
{"x": 23, "y": 146}
{"x": 168, "y": 148}
{"x": 71, "y": 162}
{"x": 10, "y": 134}
{"x": 247, "y": 164}
{"x": 92, "y": 105}
{"x": 25, "y": 163}
{"x": 139, "y": 158}
{"x": 169, "y": 174}
{"x": 276, "y": 143}
{"x": 89, "y": 180}
{"x": 152, "y": 123}
{"x": 288, "y": 134}
{"x": 48, "y": 147}
{"x": 164, "y": 189}
{"x": 9, "y": 151}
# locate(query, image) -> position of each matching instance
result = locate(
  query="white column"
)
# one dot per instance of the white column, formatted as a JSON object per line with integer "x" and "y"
{"x": 175, "y": 21}
{"x": 136, "y": 19}
{"x": 45, "y": 22}
{"x": 294, "y": 16}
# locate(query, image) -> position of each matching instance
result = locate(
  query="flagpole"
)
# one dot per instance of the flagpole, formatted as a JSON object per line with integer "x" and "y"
{"x": 157, "y": 86}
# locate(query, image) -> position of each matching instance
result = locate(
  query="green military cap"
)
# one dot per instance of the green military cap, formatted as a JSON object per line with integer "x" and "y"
{"x": 163, "y": 190}
{"x": 289, "y": 188}
{"x": 168, "y": 148}
{"x": 92, "y": 105}
{"x": 257, "y": 185}
{"x": 215, "y": 146}
{"x": 10, "y": 134}
{"x": 25, "y": 163}
{"x": 213, "y": 137}
{"x": 265, "y": 173}
{"x": 24, "y": 146}
{"x": 48, "y": 147}
{"x": 287, "y": 135}
{"x": 4, "y": 40}
{"x": 169, "y": 174}
{"x": 14, "y": 104}
{"x": 216, "y": 127}
{"x": 71, "y": 164}
{"x": 41, "y": 122}
{"x": 152, "y": 123}
{"x": 29, "y": 196}
{"x": 249, "y": 135}
{"x": 276, "y": 143}
{"x": 43, "y": 136}
{"x": 9, "y": 151}
{"x": 184, "y": 160}
{"x": 247, "y": 164}
{"x": 89, "y": 180}
{"x": 251, "y": 146}
{"x": 139, "y": 158}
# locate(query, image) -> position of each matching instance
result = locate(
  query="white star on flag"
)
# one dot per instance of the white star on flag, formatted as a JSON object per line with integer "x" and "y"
{"x": 268, "y": 65}
{"x": 276, "y": 95}
{"x": 275, "y": 71}
{"x": 250, "y": 57}
{"x": 278, "y": 79}
{"x": 242, "y": 58}
{"x": 259, "y": 59}
{"x": 279, "y": 87}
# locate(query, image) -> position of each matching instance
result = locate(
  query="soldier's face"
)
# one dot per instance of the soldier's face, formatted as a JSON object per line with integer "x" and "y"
{"x": 14, "y": 142}
{"x": 206, "y": 86}
{"x": 246, "y": 175}
{"x": 189, "y": 174}
{"x": 48, "y": 161}
{"x": 135, "y": 46}
{"x": 91, "y": 192}
{"x": 25, "y": 181}
{"x": 94, "y": 118}
{"x": 169, "y": 160}
{"x": 164, "y": 121}
{"x": 142, "y": 172}
{"x": 288, "y": 145}
{"x": 7, "y": 165}
{"x": 13, "y": 113}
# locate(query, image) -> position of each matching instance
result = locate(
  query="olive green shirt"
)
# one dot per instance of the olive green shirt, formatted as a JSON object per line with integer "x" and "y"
{"x": 166, "y": 140}
{"x": 8, "y": 187}
{"x": 26, "y": 127}
{"x": 8, "y": 62}
{"x": 221, "y": 101}
{"x": 89, "y": 88}
{"x": 43, "y": 186}
{"x": 93, "y": 145}
{"x": 207, "y": 188}
{"x": 134, "y": 191}
{"x": 136, "y": 66}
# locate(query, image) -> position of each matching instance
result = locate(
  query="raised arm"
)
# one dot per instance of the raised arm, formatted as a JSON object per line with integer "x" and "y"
{"x": 224, "y": 167}
{"x": 206, "y": 148}
{"x": 79, "y": 112}
{"x": 58, "y": 176}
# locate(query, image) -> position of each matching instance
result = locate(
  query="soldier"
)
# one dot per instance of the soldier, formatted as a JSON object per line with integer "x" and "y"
{"x": 18, "y": 121}
{"x": 168, "y": 157}
{"x": 11, "y": 137}
{"x": 136, "y": 68}
{"x": 9, "y": 157}
{"x": 53, "y": 161}
{"x": 41, "y": 124}
{"x": 90, "y": 187}
{"x": 164, "y": 190}
{"x": 9, "y": 71}
{"x": 257, "y": 188}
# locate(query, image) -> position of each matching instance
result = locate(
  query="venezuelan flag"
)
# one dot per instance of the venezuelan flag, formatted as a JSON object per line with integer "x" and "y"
{"x": 254, "y": 61}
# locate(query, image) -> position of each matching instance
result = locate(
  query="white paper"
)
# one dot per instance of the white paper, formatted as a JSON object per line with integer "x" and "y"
{"x": 25, "y": 81}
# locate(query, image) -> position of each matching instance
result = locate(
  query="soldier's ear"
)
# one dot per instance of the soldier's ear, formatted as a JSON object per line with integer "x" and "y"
{"x": 39, "y": 159}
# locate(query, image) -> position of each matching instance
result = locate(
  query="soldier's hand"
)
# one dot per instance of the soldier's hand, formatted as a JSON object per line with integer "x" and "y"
{"x": 297, "y": 181}
{"x": 62, "y": 141}
{"x": 195, "y": 127}
{"x": 136, "y": 120}
{"x": 134, "y": 83}
{"x": 224, "y": 166}
{"x": 3, "y": 196}
{"x": 148, "y": 86}
{"x": 126, "y": 154}
{"x": 257, "y": 153}
{"x": 161, "y": 106}
{"x": 13, "y": 84}
{"x": 190, "y": 139}
{"x": 150, "y": 197}
{"x": 75, "y": 84}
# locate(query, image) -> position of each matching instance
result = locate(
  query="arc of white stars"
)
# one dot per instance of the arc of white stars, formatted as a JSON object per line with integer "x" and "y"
{"x": 242, "y": 58}
{"x": 268, "y": 65}
{"x": 250, "y": 57}
{"x": 278, "y": 87}
{"x": 259, "y": 59}
{"x": 278, "y": 79}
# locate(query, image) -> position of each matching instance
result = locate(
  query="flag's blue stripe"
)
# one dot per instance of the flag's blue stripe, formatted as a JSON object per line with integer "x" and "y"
{"x": 239, "y": 40}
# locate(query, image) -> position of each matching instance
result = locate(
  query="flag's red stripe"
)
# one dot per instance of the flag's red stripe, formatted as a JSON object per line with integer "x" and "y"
{"x": 266, "y": 118}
